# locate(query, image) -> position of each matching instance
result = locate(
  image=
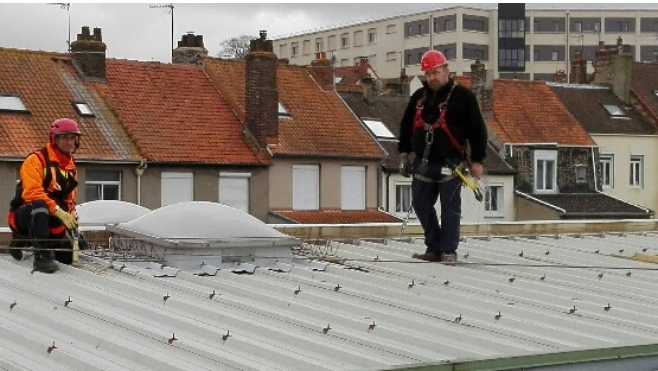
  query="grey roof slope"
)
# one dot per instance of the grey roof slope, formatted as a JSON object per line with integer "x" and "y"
{"x": 373, "y": 309}
{"x": 594, "y": 205}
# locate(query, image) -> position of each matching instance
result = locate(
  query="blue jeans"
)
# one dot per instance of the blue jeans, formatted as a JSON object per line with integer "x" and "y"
{"x": 443, "y": 238}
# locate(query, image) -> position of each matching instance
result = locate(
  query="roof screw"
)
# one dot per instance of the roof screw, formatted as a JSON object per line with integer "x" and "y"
{"x": 412, "y": 284}
{"x": 164, "y": 298}
{"x": 600, "y": 276}
{"x": 337, "y": 288}
{"x": 171, "y": 339}
{"x": 543, "y": 277}
{"x": 446, "y": 283}
{"x": 299, "y": 289}
{"x": 458, "y": 319}
{"x": 572, "y": 310}
{"x": 212, "y": 295}
{"x": 497, "y": 316}
{"x": 511, "y": 279}
{"x": 51, "y": 348}
{"x": 371, "y": 326}
{"x": 547, "y": 252}
{"x": 326, "y": 329}
{"x": 466, "y": 256}
{"x": 596, "y": 251}
{"x": 621, "y": 251}
{"x": 377, "y": 258}
{"x": 521, "y": 254}
{"x": 226, "y": 336}
{"x": 644, "y": 250}
{"x": 628, "y": 274}
{"x": 12, "y": 305}
{"x": 67, "y": 302}
{"x": 607, "y": 307}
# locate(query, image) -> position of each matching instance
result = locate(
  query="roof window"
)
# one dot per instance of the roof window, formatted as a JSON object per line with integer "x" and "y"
{"x": 378, "y": 129}
{"x": 614, "y": 111}
{"x": 83, "y": 109}
{"x": 11, "y": 103}
{"x": 283, "y": 112}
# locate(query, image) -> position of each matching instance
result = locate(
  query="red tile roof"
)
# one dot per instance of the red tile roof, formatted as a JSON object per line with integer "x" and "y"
{"x": 175, "y": 114}
{"x": 338, "y": 216}
{"x": 529, "y": 112}
{"x": 320, "y": 123}
{"x": 48, "y": 86}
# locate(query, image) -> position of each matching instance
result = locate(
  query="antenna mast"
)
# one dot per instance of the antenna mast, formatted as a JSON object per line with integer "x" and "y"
{"x": 171, "y": 11}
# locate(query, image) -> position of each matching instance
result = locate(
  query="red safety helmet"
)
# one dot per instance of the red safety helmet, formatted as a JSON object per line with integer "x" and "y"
{"x": 64, "y": 126}
{"x": 432, "y": 59}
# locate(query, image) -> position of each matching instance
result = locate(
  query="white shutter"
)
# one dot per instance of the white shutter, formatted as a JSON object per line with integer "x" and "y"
{"x": 305, "y": 187}
{"x": 234, "y": 190}
{"x": 176, "y": 187}
{"x": 353, "y": 188}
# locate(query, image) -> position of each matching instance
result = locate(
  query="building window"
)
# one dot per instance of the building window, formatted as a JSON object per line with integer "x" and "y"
{"x": 597, "y": 27}
{"x": 402, "y": 198}
{"x": 607, "y": 171}
{"x": 234, "y": 190}
{"x": 511, "y": 28}
{"x": 554, "y": 55}
{"x": 305, "y": 187}
{"x": 578, "y": 26}
{"x": 555, "y": 26}
{"x": 331, "y": 42}
{"x": 102, "y": 185}
{"x": 409, "y": 30}
{"x": 581, "y": 174}
{"x": 545, "y": 171}
{"x": 448, "y": 24}
{"x": 449, "y": 53}
{"x": 391, "y": 28}
{"x": 353, "y": 187}
{"x": 283, "y": 50}
{"x": 536, "y": 55}
{"x": 176, "y": 187}
{"x": 511, "y": 58}
{"x": 306, "y": 47}
{"x": 420, "y": 29}
{"x": 535, "y": 26}
{"x": 319, "y": 45}
{"x": 623, "y": 26}
{"x": 295, "y": 49}
{"x": 11, "y": 103}
{"x": 344, "y": 41}
{"x": 493, "y": 200}
{"x": 358, "y": 38}
{"x": 372, "y": 36}
{"x": 637, "y": 171}
{"x": 391, "y": 56}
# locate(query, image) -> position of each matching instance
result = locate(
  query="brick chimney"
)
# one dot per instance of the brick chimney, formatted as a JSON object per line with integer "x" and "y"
{"x": 612, "y": 67}
{"x": 367, "y": 87}
{"x": 88, "y": 53}
{"x": 405, "y": 88}
{"x": 578, "y": 73}
{"x": 189, "y": 48}
{"x": 262, "y": 97}
{"x": 323, "y": 71}
{"x": 482, "y": 86}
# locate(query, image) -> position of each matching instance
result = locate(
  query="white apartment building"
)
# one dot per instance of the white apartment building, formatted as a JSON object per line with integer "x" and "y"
{"x": 465, "y": 34}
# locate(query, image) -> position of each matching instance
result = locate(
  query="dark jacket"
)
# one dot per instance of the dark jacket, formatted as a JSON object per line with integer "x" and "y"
{"x": 463, "y": 117}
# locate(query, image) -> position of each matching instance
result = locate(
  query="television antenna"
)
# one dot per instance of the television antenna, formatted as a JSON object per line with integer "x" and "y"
{"x": 171, "y": 11}
{"x": 67, "y": 7}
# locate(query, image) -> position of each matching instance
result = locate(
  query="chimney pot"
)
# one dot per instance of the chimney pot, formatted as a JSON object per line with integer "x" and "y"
{"x": 88, "y": 53}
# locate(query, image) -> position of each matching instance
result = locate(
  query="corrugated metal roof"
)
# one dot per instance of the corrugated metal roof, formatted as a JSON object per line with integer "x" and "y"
{"x": 371, "y": 308}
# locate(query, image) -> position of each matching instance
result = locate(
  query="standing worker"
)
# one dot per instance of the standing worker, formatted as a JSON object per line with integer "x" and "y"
{"x": 43, "y": 208}
{"x": 438, "y": 123}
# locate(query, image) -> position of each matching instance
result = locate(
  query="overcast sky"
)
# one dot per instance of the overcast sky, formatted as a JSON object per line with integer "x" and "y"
{"x": 136, "y": 31}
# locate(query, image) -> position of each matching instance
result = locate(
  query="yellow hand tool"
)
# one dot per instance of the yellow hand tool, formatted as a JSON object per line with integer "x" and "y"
{"x": 472, "y": 184}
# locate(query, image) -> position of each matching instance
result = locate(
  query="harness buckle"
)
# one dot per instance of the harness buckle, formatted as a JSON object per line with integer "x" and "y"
{"x": 429, "y": 137}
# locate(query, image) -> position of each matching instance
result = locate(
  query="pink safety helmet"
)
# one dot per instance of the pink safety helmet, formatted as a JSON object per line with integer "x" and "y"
{"x": 64, "y": 126}
{"x": 432, "y": 59}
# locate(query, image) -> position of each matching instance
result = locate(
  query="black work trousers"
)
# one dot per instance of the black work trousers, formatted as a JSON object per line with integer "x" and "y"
{"x": 33, "y": 220}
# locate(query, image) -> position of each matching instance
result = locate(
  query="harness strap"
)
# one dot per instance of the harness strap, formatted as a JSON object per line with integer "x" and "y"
{"x": 440, "y": 123}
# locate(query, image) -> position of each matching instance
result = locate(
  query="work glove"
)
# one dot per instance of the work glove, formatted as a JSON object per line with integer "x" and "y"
{"x": 405, "y": 165}
{"x": 67, "y": 219}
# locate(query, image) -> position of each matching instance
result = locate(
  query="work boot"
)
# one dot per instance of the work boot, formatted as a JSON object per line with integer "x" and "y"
{"x": 449, "y": 258}
{"x": 15, "y": 250}
{"x": 65, "y": 253}
{"x": 427, "y": 256}
{"x": 43, "y": 261}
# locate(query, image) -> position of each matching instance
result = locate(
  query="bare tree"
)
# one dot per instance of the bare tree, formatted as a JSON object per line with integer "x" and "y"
{"x": 235, "y": 47}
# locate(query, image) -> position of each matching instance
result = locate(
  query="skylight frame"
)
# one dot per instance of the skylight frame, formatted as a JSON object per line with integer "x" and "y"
{"x": 282, "y": 111}
{"x": 83, "y": 109}
{"x": 377, "y": 128}
{"x": 614, "y": 110}
{"x": 12, "y": 103}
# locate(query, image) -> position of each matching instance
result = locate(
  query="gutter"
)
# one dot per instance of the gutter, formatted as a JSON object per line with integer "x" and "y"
{"x": 527, "y": 196}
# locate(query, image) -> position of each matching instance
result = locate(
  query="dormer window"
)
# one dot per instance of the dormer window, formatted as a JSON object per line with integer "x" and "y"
{"x": 11, "y": 103}
{"x": 614, "y": 111}
{"x": 83, "y": 109}
{"x": 378, "y": 129}
{"x": 283, "y": 112}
